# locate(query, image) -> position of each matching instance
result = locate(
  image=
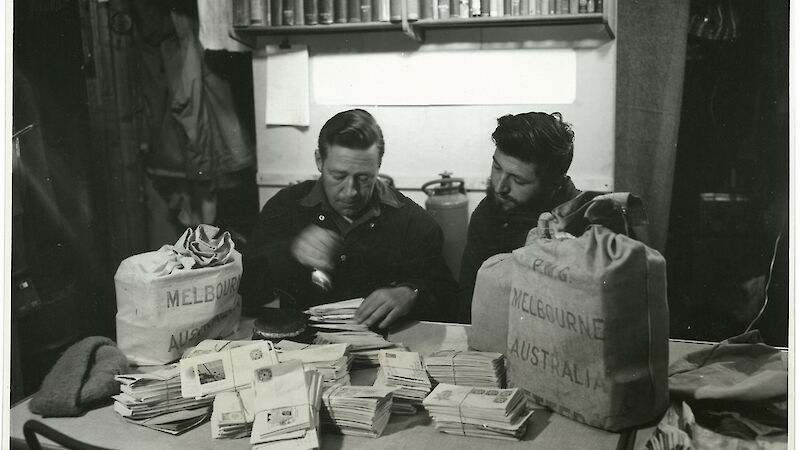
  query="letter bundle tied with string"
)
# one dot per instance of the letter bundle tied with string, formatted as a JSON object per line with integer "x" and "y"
{"x": 287, "y": 404}
{"x": 332, "y": 361}
{"x": 480, "y": 412}
{"x": 405, "y": 372}
{"x": 154, "y": 400}
{"x": 357, "y": 410}
{"x": 470, "y": 368}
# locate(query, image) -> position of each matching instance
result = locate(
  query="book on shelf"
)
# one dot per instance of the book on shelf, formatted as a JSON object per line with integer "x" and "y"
{"x": 426, "y": 9}
{"x": 353, "y": 11}
{"x": 507, "y": 7}
{"x": 525, "y": 7}
{"x": 463, "y": 9}
{"x": 325, "y": 8}
{"x": 455, "y": 6}
{"x": 288, "y": 12}
{"x": 413, "y": 10}
{"x": 395, "y": 10}
{"x": 443, "y": 8}
{"x": 275, "y": 12}
{"x": 380, "y": 10}
{"x": 299, "y": 12}
{"x": 564, "y": 7}
{"x": 310, "y": 12}
{"x": 260, "y": 14}
{"x": 475, "y": 8}
{"x": 515, "y": 7}
{"x": 573, "y": 6}
{"x": 486, "y": 8}
{"x": 240, "y": 11}
{"x": 366, "y": 11}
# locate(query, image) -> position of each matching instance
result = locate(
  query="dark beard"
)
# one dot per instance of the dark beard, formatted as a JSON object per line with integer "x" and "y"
{"x": 533, "y": 204}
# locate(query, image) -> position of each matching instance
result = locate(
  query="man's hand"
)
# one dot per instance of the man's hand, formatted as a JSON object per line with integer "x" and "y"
{"x": 386, "y": 306}
{"x": 316, "y": 247}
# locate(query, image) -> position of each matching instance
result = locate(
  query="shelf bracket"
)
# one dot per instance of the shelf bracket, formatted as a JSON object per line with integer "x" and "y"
{"x": 409, "y": 29}
{"x": 247, "y": 40}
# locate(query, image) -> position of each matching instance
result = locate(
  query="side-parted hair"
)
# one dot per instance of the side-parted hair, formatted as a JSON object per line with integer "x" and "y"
{"x": 355, "y": 129}
{"x": 537, "y": 137}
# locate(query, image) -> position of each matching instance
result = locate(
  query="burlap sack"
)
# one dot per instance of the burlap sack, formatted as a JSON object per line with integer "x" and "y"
{"x": 588, "y": 322}
{"x": 489, "y": 330}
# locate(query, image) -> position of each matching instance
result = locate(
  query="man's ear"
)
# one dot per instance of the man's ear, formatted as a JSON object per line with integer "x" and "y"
{"x": 318, "y": 159}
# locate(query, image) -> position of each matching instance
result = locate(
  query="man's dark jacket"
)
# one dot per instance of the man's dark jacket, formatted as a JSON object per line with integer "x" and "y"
{"x": 493, "y": 231}
{"x": 395, "y": 242}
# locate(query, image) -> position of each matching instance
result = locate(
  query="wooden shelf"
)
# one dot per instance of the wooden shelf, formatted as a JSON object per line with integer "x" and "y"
{"x": 321, "y": 28}
{"x": 510, "y": 21}
{"x": 596, "y": 25}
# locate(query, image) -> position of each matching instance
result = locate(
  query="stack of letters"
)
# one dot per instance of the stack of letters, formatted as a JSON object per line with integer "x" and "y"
{"x": 332, "y": 361}
{"x": 358, "y": 410}
{"x": 364, "y": 345}
{"x": 403, "y": 371}
{"x": 287, "y": 403}
{"x": 154, "y": 400}
{"x": 219, "y": 366}
{"x": 481, "y": 412}
{"x": 486, "y": 369}
{"x": 336, "y": 316}
{"x": 233, "y": 414}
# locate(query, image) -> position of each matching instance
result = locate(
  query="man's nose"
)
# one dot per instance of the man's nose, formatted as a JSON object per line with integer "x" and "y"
{"x": 502, "y": 185}
{"x": 351, "y": 187}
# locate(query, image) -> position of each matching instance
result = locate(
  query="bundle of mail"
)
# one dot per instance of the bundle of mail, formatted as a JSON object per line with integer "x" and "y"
{"x": 336, "y": 316}
{"x": 357, "y": 410}
{"x": 481, "y": 412}
{"x": 405, "y": 372}
{"x": 287, "y": 402}
{"x": 468, "y": 368}
{"x": 364, "y": 345}
{"x": 332, "y": 361}
{"x": 281, "y": 410}
{"x": 154, "y": 400}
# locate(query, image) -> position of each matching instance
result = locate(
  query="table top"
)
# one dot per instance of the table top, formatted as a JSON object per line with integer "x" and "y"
{"x": 546, "y": 430}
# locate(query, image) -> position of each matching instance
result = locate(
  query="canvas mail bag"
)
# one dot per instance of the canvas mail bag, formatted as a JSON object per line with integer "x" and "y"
{"x": 489, "y": 329}
{"x": 588, "y": 320}
{"x": 173, "y": 298}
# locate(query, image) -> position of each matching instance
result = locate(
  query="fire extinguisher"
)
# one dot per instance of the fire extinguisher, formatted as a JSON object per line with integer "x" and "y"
{"x": 447, "y": 203}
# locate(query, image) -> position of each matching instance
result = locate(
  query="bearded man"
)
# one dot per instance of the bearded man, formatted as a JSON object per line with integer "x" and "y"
{"x": 529, "y": 176}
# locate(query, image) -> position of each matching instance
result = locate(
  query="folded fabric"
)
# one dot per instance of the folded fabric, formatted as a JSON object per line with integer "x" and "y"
{"x": 82, "y": 376}
{"x": 741, "y": 368}
{"x": 202, "y": 247}
{"x": 738, "y": 387}
{"x": 620, "y": 212}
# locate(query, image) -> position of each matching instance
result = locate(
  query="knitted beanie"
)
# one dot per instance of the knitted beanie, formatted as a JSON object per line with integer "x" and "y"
{"x": 82, "y": 376}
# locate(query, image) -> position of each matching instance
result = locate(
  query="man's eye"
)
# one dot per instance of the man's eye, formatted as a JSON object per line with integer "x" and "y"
{"x": 364, "y": 178}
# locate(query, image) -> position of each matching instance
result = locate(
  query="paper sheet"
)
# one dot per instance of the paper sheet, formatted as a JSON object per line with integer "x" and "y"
{"x": 287, "y": 86}
{"x": 486, "y": 77}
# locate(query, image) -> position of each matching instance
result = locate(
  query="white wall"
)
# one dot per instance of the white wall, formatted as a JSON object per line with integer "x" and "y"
{"x": 422, "y": 141}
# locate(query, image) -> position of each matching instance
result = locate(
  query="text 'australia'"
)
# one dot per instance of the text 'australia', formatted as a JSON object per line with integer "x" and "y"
{"x": 202, "y": 294}
{"x": 552, "y": 364}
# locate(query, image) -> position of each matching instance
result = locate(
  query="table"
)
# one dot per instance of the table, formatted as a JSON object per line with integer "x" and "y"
{"x": 546, "y": 430}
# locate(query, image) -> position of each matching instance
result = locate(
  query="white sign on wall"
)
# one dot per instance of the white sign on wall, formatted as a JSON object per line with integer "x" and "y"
{"x": 486, "y": 77}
